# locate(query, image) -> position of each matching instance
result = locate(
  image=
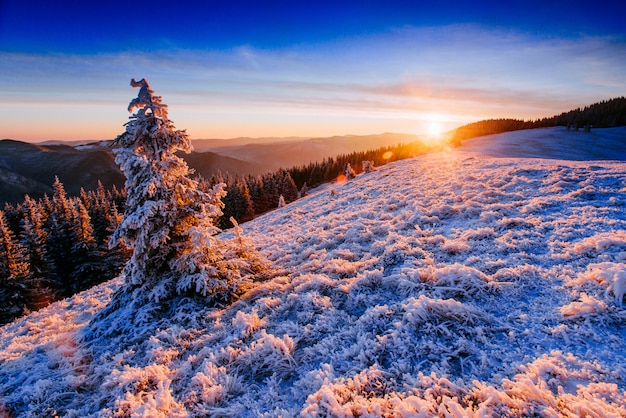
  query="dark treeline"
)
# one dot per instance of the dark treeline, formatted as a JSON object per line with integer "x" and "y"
{"x": 52, "y": 248}
{"x": 605, "y": 114}
{"x": 314, "y": 174}
{"x": 254, "y": 195}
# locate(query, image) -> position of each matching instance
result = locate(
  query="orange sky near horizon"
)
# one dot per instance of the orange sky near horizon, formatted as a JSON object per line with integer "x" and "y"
{"x": 396, "y": 81}
{"x": 38, "y": 122}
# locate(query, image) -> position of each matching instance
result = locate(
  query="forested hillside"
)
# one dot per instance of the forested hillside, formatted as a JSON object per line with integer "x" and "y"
{"x": 52, "y": 248}
{"x": 55, "y": 246}
{"x": 606, "y": 114}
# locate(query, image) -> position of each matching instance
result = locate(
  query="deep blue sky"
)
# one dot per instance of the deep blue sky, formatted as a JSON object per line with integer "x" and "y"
{"x": 106, "y": 26}
{"x": 304, "y": 68}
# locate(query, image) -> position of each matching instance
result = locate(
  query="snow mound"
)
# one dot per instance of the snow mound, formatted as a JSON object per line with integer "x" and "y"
{"x": 588, "y": 306}
{"x": 452, "y": 284}
{"x": 608, "y": 276}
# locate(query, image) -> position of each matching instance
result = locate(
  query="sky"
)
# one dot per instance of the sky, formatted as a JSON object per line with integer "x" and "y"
{"x": 303, "y": 68}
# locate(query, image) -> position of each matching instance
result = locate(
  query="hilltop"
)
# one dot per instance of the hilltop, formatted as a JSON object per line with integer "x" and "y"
{"x": 452, "y": 283}
{"x": 553, "y": 143}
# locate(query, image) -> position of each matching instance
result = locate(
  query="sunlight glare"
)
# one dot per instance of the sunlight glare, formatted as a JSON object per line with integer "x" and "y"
{"x": 435, "y": 129}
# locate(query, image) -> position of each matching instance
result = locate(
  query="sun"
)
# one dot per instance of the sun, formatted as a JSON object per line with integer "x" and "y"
{"x": 435, "y": 129}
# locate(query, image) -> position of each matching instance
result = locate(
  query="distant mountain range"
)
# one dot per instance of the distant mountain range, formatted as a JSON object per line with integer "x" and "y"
{"x": 30, "y": 169}
{"x": 276, "y": 153}
{"x": 27, "y": 168}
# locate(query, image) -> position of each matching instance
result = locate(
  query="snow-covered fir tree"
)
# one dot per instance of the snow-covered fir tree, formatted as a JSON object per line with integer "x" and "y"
{"x": 169, "y": 220}
{"x": 350, "y": 173}
{"x": 281, "y": 201}
{"x": 304, "y": 191}
{"x": 368, "y": 166}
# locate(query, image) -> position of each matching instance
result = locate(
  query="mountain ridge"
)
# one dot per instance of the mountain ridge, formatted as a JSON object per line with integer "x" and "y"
{"x": 27, "y": 168}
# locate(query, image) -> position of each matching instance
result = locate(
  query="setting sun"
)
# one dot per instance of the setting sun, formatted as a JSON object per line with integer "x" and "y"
{"x": 435, "y": 128}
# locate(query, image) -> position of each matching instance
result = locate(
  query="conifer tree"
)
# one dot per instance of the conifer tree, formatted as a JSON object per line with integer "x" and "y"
{"x": 116, "y": 256}
{"x": 98, "y": 207}
{"x": 46, "y": 204}
{"x": 60, "y": 238}
{"x": 86, "y": 258}
{"x": 304, "y": 191}
{"x": 350, "y": 173}
{"x": 169, "y": 220}
{"x": 270, "y": 191}
{"x": 13, "y": 272}
{"x": 368, "y": 166}
{"x": 237, "y": 204}
{"x": 12, "y": 216}
{"x": 247, "y": 208}
{"x": 39, "y": 286}
{"x": 259, "y": 198}
{"x": 288, "y": 188}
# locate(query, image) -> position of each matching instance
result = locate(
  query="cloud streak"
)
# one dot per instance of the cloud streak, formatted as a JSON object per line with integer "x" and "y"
{"x": 466, "y": 72}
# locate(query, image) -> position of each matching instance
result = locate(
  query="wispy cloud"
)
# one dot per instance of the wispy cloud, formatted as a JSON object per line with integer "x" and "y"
{"x": 464, "y": 71}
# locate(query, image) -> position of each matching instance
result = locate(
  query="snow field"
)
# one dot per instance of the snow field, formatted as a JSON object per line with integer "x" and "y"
{"x": 451, "y": 284}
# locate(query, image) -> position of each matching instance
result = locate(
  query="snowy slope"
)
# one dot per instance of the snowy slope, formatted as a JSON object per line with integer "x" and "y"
{"x": 453, "y": 283}
{"x": 554, "y": 143}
